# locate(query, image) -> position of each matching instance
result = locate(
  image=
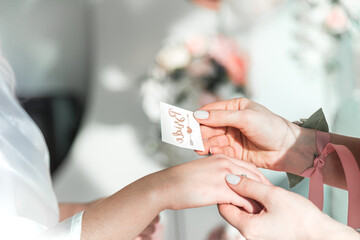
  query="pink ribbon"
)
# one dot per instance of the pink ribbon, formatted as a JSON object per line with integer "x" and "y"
{"x": 352, "y": 175}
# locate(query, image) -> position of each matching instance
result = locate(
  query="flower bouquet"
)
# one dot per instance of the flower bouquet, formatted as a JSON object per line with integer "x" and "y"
{"x": 189, "y": 74}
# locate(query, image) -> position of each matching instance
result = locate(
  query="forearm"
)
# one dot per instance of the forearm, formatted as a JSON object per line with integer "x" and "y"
{"x": 69, "y": 209}
{"x": 301, "y": 156}
{"x": 330, "y": 229}
{"x": 125, "y": 214}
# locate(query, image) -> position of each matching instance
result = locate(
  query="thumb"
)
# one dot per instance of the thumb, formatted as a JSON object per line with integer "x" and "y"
{"x": 237, "y": 217}
{"x": 222, "y": 118}
{"x": 249, "y": 188}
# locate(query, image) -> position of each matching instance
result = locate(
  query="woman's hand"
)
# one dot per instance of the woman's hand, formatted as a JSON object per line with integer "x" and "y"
{"x": 285, "y": 215}
{"x": 246, "y": 130}
{"x": 125, "y": 214}
{"x": 201, "y": 183}
{"x": 149, "y": 231}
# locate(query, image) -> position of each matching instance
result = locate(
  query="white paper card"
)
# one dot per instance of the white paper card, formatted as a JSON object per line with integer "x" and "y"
{"x": 180, "y": 128}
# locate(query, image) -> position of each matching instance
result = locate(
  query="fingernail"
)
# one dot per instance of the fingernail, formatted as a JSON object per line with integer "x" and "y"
{"x": 201, "y": 114}
{"x": 233, "y": 179}
{"x": 211, "y": 150}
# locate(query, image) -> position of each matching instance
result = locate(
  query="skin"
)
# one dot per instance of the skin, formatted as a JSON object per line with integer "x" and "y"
{"x": 69, "y": 209}
{"x": 246, "y": 130}
{"x": 194, "y": 184}
{"x": 280, "y": 219}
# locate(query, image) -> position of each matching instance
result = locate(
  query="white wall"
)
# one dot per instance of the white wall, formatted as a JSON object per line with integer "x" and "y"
{"x": 46, "y": 43}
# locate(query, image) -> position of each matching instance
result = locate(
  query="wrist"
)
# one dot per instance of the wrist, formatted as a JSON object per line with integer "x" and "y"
{"x": 301, "y": 154}
{"x": 157, "y": 191}
{"x": 333, "y": 230}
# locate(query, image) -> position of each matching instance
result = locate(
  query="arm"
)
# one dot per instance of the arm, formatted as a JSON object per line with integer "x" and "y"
{"x": 300, "y": 156}
{"x": 69, "y": 209}
{"x": 125, "y": 214}
{"x": 193, "y": 184}
{"x": 246, "y": 130}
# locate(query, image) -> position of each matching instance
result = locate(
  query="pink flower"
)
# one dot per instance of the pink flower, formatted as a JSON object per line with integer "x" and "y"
{"x": 336, "y": 21}
{"x": 212, "y": 4}
{"x": 225, "y": 51}
{"x": 197, "y": 45}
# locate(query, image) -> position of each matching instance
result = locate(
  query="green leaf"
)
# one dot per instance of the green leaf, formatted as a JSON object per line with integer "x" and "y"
{"x": 294, "y": 179}
{"x": 316, "y": 121}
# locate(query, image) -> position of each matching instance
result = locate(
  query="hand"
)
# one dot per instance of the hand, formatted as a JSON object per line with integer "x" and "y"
{"x": 201, "y": 183}
{"x": 198, "y": 183}
{"x": 246, "y": 130}
{"x": 149, "y": 231}
{"x": 285, "y": 215}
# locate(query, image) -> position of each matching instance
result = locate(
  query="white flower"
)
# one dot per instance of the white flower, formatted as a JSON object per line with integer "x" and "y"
{"x": 173, "y": 57}
{"x": 153, "y": 93}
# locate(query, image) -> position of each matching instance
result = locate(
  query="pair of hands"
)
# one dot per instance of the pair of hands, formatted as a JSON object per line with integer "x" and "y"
{"x": 245, "y": 130}
{"x": 254, "y": 206}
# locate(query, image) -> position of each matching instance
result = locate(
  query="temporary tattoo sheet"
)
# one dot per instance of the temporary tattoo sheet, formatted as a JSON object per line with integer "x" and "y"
{"x": 179, "y": 127}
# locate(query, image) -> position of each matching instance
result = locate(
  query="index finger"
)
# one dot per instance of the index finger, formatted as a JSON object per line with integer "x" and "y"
{"x": 232, "y": 104}
{"x": 208, "y": 132}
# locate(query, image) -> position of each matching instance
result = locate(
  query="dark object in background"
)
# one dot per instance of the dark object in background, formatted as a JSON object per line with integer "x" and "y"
{"x": 58, "y": 117}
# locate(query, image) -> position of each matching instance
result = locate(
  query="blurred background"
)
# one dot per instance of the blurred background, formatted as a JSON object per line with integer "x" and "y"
{"x": 91, "y": 73}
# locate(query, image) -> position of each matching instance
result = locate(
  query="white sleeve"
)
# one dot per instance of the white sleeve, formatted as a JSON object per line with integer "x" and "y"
{"x": 69, "y": 229}
{"x": 28, "y": 205}
{"x": 20, "y": 228}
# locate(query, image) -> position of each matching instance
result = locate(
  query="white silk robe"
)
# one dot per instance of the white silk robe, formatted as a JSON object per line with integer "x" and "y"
{"x": 28, "y": 205}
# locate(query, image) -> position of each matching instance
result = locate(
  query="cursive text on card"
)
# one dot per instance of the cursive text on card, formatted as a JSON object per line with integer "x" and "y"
{"x": 178, "y": 126}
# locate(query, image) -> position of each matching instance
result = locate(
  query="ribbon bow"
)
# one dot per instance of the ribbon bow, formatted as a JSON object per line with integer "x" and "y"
{"x": 352, "y": 175}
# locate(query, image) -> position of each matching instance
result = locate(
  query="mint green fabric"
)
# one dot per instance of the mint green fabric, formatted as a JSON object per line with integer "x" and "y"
{"x": 315, "y": 121}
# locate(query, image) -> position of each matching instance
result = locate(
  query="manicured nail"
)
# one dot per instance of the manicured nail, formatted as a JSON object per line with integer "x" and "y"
{"x": 233, "y": 179}
{"x": 201, "y": 114}
{"x": 211, "y": 150}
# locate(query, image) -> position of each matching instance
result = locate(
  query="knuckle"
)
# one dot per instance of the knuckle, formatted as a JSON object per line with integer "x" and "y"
{"x": 246, "y": 185}
{"x": 253, "y": 167}
{"x": 257, "y": 177}
{"x": 274, "y": 194}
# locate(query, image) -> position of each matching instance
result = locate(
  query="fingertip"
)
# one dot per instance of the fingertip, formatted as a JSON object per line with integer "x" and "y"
{"x": 232, "y": 179}
{"x": 201, "y": 153}
{"x": 201, "y": 115}
{"x": 215, "y": 150}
